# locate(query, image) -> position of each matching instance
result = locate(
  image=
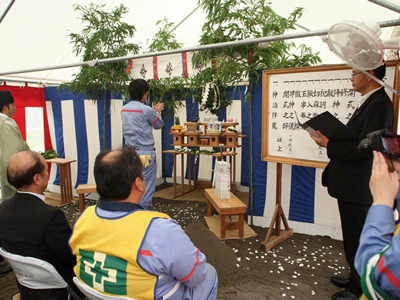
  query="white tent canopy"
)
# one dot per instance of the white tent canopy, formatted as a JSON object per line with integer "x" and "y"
{"x": 35, "y": 34}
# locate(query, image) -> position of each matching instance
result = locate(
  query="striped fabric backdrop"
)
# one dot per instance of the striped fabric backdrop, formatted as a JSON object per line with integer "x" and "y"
{"x": 76, "y": 130}
{"x": 76, "y": 127}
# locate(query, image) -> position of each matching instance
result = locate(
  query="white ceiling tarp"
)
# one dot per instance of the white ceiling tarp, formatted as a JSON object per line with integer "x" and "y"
{"x": 34, "y": 34}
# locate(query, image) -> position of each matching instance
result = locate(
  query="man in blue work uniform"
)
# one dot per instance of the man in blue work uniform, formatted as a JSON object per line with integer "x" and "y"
{"x": 122, "y": 249}
{"x": 378, "y": 256}
{"x": 138, "y": 123}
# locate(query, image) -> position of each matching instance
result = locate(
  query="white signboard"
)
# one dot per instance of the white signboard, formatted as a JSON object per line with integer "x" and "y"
{"x": 308, "y": 94}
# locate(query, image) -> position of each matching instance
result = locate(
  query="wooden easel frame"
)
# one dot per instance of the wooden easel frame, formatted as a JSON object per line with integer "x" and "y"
{"x": 280, "y": 235}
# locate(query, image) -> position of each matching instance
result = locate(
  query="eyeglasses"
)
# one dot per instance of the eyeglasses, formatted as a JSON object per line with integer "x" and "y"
{"x": 354, "y": 74}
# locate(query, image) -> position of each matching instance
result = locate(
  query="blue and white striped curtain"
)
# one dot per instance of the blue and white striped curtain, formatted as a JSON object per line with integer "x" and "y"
{"x": 76, "y": 127}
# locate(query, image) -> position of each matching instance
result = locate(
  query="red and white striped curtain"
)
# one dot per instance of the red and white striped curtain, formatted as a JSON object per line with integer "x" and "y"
{"x": 26, "y": 96}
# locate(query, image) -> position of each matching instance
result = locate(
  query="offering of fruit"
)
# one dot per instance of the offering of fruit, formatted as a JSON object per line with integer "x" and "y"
{"x": 177, "y": 128}
{"x": 233, "y": 129}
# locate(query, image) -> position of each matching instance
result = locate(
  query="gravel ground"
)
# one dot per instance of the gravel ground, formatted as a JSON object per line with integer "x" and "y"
{"x": 298, "y": 268}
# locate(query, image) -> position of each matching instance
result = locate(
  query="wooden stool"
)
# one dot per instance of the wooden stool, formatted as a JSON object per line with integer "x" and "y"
{"x": 83, "y": 189}
{"x": 64, "y": 171}
{"x": 227, "y": 208}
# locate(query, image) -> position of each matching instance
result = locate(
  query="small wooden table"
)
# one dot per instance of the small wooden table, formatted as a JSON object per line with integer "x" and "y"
{"x": 227, "y": 208}
{"x": 83, "y": 189}
{"x": 191, "y": 174}
{"x": 192, "y": 168}
{"x": 64, "y": 171}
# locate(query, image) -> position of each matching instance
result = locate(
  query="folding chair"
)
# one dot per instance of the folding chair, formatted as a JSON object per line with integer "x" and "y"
{"x": 92, "y": 294}
{"x": 36, "y": 274}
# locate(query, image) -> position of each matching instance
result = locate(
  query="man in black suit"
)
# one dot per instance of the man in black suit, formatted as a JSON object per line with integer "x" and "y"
{"x": 347, "y": 174}
{"x": 29, "y": 227}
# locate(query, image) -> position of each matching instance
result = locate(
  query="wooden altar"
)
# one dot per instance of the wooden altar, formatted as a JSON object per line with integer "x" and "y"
{"x": 226, "y": 141}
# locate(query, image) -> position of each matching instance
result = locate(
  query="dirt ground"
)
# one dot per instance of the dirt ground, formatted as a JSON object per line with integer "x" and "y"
{"x": 298, "y": 268}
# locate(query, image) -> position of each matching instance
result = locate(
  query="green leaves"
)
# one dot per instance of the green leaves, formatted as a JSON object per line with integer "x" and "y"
{"x": 231, "y": 20}
{"x": 49, "y": 153}
{"x": 104, "y": 36}
{"x": 169, "y": 90}
{"x": 164, "y": 39}
{"x": 195, "y": 151}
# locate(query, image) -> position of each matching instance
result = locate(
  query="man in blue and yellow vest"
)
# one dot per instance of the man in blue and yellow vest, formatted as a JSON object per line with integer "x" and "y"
{"x": 122, "y": 249}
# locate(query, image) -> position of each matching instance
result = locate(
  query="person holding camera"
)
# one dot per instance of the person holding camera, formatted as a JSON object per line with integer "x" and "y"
{"x": 378, "y": 256}
{"x": 348, "y": 172}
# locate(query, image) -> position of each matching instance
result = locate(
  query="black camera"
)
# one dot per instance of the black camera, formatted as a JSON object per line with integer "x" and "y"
{"x": 384, "y": 140}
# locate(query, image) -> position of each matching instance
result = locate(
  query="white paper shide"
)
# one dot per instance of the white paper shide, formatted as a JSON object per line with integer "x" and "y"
{"x": 222, "y": 180}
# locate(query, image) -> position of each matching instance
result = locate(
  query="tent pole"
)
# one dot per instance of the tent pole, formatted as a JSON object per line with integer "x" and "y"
{"x": 7, "y": 9}
{"x": 387, "y": 4}
{"x": 173, "y": 29}
{"x": 38, "y": 82}
{"x": 287, "y": 36}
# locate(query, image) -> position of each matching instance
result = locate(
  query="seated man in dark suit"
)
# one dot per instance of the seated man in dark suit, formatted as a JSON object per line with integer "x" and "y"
{"x": 29, "y": 227}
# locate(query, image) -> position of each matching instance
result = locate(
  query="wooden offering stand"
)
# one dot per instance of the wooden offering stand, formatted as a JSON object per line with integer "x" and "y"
{"x": 205, "y": 137}
{"x": 228, "y": 138}
{"x": 194, "y": 136}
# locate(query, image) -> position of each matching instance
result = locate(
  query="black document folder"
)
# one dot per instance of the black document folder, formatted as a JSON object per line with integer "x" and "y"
{"x": 330, "y": 126}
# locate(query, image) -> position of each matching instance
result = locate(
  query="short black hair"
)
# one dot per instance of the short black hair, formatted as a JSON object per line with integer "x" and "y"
{"x": 24, "y": 177}
{"x": 137, "y": 88}
{"x": 380, "y": 71}
{"x": 6, "y": 99}
{"x": 114, "y": 176}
